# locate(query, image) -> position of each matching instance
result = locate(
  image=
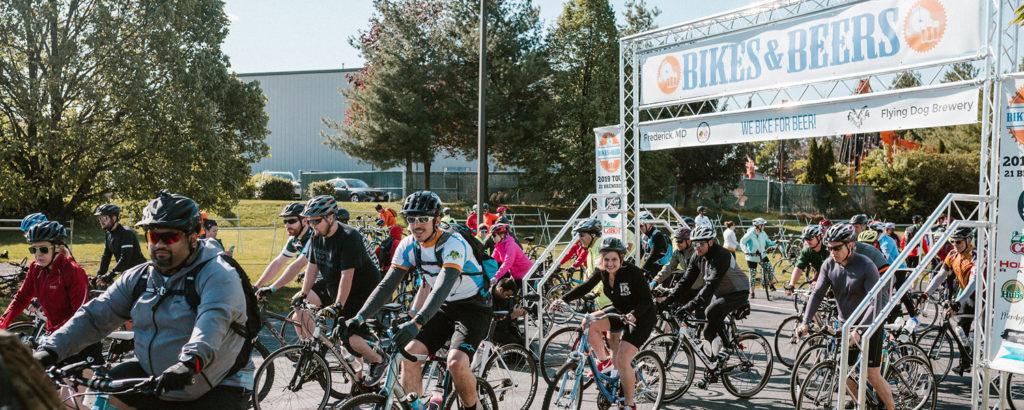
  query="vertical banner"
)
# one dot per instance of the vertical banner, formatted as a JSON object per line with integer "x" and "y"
{"x": 1007, "y": 333}
{"x": 610, "y": 177}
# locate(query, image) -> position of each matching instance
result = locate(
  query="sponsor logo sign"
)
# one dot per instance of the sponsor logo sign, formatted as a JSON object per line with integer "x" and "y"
{"x": 610, "y": 176}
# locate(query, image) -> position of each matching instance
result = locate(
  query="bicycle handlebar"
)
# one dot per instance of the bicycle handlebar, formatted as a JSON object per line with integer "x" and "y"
{"x": 69, "y": 372}
{"x": 589, "y": 316}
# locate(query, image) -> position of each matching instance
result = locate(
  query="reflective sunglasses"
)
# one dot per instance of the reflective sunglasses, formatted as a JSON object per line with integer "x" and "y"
{"x": 43, "y": 250}
{"x": 169, "y": 238}
{"x": 419, "y": 219}
{"x": 291, "y": 221}
{"x": 700, "y": 244}
{"x": 835, "y": 248}
{"x": 315, "y": 221}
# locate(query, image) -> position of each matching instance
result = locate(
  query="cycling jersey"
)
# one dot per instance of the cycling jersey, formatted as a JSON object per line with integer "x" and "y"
{"x": 455, "y": 253}
{"x": 342, "y": 251}
{"x": 961, "y": 263}
{"x": 657, "y": 251}
{"x": 296, "y": 245}
{"x": 850, "y": 284}
{"x": 873, "y": 254}
{"x": 702, "y": 220}
{"x": 60, "y": 288}
{"x": 124, "y": 244}
{"x": 679, "y": 261}
{"x": 890, "y": 249}
{"x": 722, "y": 276}
{"x": 512, "y": 259}
{"x": 810, "y": 258}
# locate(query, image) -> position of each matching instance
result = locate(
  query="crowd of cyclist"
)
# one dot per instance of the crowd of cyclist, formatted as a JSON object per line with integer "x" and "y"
{"x": 193, "y": 329}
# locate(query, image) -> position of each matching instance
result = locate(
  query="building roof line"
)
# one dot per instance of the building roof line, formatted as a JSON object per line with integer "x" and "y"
{"x": 336, "y": 70}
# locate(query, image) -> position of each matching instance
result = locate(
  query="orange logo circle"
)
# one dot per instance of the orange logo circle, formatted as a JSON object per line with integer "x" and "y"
{"x": 668, "y": 75}
{"x": 612, "y": 164}
{"x": 924, "y": 25}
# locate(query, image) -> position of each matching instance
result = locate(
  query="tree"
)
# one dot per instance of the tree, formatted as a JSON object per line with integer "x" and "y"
{"x": 106, "y": 97}
{"x": 916, "y": 180}
{"x": 770, "y": 155}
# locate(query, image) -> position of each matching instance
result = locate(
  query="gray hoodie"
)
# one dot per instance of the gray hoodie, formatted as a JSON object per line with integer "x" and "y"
{"x": 165, "y": 336}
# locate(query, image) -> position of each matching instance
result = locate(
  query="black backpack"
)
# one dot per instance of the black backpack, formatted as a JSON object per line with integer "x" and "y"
{"x": 488, "y": 265}
{"x": 247, "y": 330}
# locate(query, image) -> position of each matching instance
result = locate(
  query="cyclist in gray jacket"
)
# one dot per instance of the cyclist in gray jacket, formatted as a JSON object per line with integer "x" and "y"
{"x": 191, "y": 349}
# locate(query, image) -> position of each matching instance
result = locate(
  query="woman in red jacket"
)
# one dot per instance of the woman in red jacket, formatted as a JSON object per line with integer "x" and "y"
{"x": 55, "y": 280}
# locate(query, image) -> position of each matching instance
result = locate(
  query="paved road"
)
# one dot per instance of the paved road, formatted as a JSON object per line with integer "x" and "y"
{"x": 764, "y": 319}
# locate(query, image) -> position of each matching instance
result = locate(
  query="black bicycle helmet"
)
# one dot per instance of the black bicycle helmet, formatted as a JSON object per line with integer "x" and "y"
{"x": 293, "y": 209}
{"x": 32, "y": 219}
{"x": 591, "y": 225}
{"x": 859, "y": 219}
{"x": 916, "y": 219}
{"x": 612, "y": 245}
{"x": 962, "y": 233}
{"x": 107, "y": 209}
{"x": 423, "y": 203}
{"x": 683, "y": 233}
{"x": 702, "y": 233}
{"x": 52, "y": 232}
{"x": 320, "y": 205}
{"x": 840, "y": 233}
{"x": 689, "y": 222}
{"x": 701, "y": 209}
{"x": 342, "y": 215}
{"x": 173, "y": 211}
{"x": 811, "y": 231}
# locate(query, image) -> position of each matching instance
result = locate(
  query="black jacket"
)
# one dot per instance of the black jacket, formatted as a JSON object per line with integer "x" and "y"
{"x": 123, "y": 243}
{"x": 629, "y": 294}
{"x": 721, "y": 274}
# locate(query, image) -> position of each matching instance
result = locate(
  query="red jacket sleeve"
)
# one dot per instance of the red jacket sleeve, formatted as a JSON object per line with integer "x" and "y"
{"x": 21, "y": 300}
{"x": 573, "y": 251}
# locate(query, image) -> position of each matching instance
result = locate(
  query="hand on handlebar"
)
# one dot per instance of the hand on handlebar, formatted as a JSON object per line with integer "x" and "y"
{"x": 802, "y": 330}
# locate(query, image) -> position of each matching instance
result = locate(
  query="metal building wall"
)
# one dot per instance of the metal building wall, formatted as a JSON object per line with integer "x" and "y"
{"x": 296, "y": 101}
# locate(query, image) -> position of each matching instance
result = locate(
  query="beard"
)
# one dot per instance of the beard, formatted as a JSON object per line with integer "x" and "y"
{"x": 162, "y": 260}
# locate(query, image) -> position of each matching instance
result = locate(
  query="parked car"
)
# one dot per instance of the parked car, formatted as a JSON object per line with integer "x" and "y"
{"x": 286, "y": 175}
{"x": 355, "y": 190}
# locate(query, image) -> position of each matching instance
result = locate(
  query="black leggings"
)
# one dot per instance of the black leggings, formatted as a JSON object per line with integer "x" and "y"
{"x": 718, "y": 309}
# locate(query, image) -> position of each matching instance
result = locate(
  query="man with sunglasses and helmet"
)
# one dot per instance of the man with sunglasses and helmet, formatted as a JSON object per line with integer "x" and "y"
{"x": 193, "y": 348}
{"x": 120, "y": 241}
{"x": 682, "y": 253}
{"x": 960, "y": 263}
{"x": 337, "y": 252}
{"x": 812, "y": 255}
{"x": 726, "y": 288}
{"x": 294, "y": 247}
{"x": 453, "y": 303}
{"x": 850, "y": 276}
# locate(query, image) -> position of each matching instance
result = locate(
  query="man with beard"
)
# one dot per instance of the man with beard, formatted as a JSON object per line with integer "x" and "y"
{"x": 121, "y": 242}
{"x": 295, "y": 247}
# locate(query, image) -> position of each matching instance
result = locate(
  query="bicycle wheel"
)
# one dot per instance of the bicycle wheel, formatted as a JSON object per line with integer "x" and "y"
{"x": 786, "y": 342}
{"x": 941, "y": 351}
{"x": 912, "y": 384}
{"x": 565, "y": 391}
{"x": 678, "y": 361}
{"x": 24, "y": 330}
{"x": 369, "y": 401}
{"x": 802, "y": 367}
{"x": 301, "y": 379}
{"x": 649, "y": 391}
{"x": 800, "y": 297}
{"x": 558, "y": 316}
{"x": 747, "y": 371}
{"x": 484, "y": 395}
{"x": 820, "y": 388}
{"x": 288, "y": 332}
{"x": 1014, "y": 391}
{"x": 512, "y": 374}
{"x": 555, "y": 351}
{"x": 404, "y": 299}
{"x": 260, "y": 391}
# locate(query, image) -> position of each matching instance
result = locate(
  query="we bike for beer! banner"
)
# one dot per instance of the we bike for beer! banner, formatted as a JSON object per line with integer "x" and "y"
{"x": 841, "y": 42}
{"x": 1007, "y": 332}
{"x": 610, "y": 176}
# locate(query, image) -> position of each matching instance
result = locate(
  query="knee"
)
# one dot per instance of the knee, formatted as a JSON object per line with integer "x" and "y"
{"x": 458, "y": 362}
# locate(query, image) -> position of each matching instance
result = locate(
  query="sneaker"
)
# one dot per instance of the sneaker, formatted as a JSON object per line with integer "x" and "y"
{"x": 603, "y": 367}
{"x": 375, "y": 374}
{"x": 752, "y": 293}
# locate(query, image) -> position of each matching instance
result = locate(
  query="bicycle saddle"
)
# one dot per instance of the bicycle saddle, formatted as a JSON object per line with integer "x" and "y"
{"x": 741, "y": 313}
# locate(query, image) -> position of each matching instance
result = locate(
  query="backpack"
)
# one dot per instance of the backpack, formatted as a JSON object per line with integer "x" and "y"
{"x": 488, "y": 265}
{"x": 247, "y": 330}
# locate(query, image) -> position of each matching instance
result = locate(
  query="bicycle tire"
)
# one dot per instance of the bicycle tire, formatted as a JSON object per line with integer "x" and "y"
{"x": 744, "y": 359}
{"x": 800, "y": 298}
{"x": 314, "y": 369}
{"x": 557, "y": 292}
{"x": 369, "y": 401}
{"x": 551, "y": 359}
{"x": 484, "y": 397}
{"x": 904, "y": 380}
{"x": 802, "y": 367}
{"x": 288, "y": 332}
{"x": 565, "y": 375}
{"x": 508, "y": 371}
{"x": 26, "y": 331}
{"x": 261, "y": 393}
{"x": 678, "y": 363}
{"x": 941, "y": 351}
{"x": 644, "y": 362}
{"x": 821, "y": 396}
{"x": 1014, "y": 392}
{"x": 786, "y": 342}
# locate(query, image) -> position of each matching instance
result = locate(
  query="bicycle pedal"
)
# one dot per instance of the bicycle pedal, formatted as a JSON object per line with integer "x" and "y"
{"x": 702, "y": 384}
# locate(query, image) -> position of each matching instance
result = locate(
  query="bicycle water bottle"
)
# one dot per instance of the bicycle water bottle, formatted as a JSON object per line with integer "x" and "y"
{"x": 413, "y": 401}
{"x": 436, "y": 398}
{"x": 960, "y": 333}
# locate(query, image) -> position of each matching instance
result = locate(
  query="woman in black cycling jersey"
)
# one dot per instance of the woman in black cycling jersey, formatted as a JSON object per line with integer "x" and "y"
{"x": 625, "y": 285}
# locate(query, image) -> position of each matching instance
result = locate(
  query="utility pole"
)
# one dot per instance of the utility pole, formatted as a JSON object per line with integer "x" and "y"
{"x": 481, "y": 140}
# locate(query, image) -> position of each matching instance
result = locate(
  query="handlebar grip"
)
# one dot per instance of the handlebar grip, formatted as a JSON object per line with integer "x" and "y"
{"x": 407, "y": 355}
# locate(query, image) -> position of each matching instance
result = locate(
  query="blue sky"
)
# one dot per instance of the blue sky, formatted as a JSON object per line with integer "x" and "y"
{"x": 274, "y": 35}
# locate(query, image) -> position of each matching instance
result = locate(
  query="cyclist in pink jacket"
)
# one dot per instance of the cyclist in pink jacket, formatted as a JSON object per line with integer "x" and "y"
{"x": 508, "y": 253}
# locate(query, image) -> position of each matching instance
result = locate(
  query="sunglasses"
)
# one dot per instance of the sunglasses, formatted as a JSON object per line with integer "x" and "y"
{"x": 419, "y": 219}
{"x": 959, "y": 241}
{"x": 835, "y": 248}
{"x": 315, "y": 221}
{"x": 43, "y": 250}
{"x": 291, "y": 221}
{"x": 700, "y": 244}
{"x": 169, "y": 238}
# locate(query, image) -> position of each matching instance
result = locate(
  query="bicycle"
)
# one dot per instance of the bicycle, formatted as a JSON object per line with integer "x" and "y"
{"x": 750, "y": 359}
{"x": 568, "y": 384}
{"x": 785, "y": 253}
{"x": 392, "y": 396}
{"x": 944, "y": 343}
{"x": 100, "y": 385}
{"x": 10, "y": 283}
{"x": 31, "y": 331}
{"x": 287, "y": 334}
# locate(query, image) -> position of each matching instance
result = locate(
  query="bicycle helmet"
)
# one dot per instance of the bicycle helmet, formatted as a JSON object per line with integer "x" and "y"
{"x": 840, "y": 233}
{"x": 962, "y": 233}
{"x": 501, "y": 209}
{"x": 811, "y": 231}
{"x": 320, "y": 205}
{"x": 759, "y": 221}
{"x": 890, "y": 225}
{"x": 499, "y": 229}
{"x": 32, "y": 219}
{"x": 645, "y": 216}
{"x": 683, "y": 233}
{"x": 612, "y": 245}
{"x": 689, "y": 222}
{"x": 701, "y": 209}
{"x": 702, "y": 233}
{"x": 342, "y": 215}
{"x": 173, "y": 211}
{"x": 591, "y": 225}
{"x": 446, "y": 211}
{"x": 504, "y": 220}
{"x": 293, "y": 209}
{"x": 107, "y": 209}
{"x": 50, "y": 231}
{"x": 825, "y": 223}
{"x": 423, "y": 203}
{"x": 877, "y": 226}
{"x": 859, "y": 219}
{"x": 867, "y": 236}
{"x": 917, "y": 218}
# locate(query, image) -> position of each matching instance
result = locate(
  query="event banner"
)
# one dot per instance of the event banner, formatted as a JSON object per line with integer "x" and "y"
{"x": 1007, "y": 332}
{"x": 856, "y": 114}
{"x": 610, "y": 176}
{"x": 841, "y": 42}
